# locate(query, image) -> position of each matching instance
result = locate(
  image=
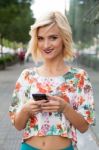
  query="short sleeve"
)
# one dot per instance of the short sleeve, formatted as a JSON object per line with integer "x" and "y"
{"x": 20, "y": 95}
{"x": 86, "y": 105}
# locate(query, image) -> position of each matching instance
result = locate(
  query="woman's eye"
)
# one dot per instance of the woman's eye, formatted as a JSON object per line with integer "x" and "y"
{"x": 54, "y": 37}
{"x": 40, "y": 38}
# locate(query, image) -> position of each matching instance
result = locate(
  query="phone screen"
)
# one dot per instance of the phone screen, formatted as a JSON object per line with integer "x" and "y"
{"x": 38, "y": 97}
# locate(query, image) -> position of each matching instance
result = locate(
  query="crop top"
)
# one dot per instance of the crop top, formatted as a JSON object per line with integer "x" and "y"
{"x": 74, "y": 86}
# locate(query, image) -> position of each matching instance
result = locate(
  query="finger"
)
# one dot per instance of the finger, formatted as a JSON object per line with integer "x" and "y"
{"x": 34, "y": 107}
{"x": 36, "y": 110}
{"x": 50, "y": 103}
{"x": 39, "y": 102}
{"x": 50, "y": 108}
{"x": 54, "y": 98}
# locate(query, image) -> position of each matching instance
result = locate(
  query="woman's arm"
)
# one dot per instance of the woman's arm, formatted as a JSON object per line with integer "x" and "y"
{"x": 27, "y": 111}
{"x": 21, "y": 118}
{"x": 75, "y": 118}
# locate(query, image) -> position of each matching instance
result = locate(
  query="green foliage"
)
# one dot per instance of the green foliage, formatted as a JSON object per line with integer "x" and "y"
{"x": 81, "y": 45}
{"x": 15, "y": 20}
{"x": 5, "y": 3}
{"x": 84, "y": 31}
{"x": 8, "y": 60}
{"x": 2, "y": 60}
{"x": 2, "y": 63}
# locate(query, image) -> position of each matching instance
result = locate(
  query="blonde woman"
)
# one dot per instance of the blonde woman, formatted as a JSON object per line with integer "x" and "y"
{"x": 50, "y": 120}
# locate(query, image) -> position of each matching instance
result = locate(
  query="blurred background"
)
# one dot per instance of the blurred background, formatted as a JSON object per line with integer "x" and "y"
{"x": 16, "y": 17}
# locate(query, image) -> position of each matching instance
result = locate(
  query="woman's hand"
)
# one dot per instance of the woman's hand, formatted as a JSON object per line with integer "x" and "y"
{"x": 54, "y": 104}
{"x": 27, "y": 111}
{"x": 32, "y": 107}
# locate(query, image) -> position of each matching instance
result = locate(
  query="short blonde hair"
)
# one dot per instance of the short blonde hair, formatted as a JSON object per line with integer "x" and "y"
{"x": 65, "y": 32}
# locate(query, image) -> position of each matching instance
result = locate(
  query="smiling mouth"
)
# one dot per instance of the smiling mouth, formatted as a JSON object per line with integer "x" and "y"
{"x": 48, "y": 51}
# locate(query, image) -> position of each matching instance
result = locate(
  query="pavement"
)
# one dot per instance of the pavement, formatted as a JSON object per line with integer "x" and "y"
{"x": 10, "y": 138}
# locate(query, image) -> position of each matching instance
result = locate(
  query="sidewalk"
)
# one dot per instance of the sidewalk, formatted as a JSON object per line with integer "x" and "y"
{"x": 87, "y": 141}
{"x": 9, "y": 137}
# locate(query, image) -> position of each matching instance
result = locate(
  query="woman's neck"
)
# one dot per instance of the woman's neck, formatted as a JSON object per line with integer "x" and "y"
{"x": 53, "y": 68}
{"x": 54, "y": 65}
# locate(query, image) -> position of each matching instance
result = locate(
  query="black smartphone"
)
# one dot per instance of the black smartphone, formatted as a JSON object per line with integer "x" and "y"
{"x": 39, "y": 96}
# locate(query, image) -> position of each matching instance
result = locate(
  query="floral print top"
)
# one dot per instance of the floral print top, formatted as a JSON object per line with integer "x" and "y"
{"x": 75, "y": 88}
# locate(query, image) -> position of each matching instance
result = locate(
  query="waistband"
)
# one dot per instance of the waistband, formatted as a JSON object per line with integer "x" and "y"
{"x": 70, "y": 147}
{"x": 25, "y": 146}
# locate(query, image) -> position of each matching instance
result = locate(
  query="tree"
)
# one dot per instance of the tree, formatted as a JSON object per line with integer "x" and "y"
{"x": 15, "y": 19}
{"x": 83, "y": 17}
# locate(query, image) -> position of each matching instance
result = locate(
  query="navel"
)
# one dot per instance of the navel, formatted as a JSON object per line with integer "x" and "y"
{"x": 43, "y": 143}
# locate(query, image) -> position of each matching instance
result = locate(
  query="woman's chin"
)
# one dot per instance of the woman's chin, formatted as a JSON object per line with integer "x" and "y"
{"x": 48, "y": 56}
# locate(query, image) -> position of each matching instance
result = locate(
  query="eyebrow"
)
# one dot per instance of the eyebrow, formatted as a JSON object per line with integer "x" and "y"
{"x": 56, "y": 35}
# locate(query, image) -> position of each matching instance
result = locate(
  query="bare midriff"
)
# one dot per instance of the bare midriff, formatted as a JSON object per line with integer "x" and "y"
{"x": 49, "y": 142}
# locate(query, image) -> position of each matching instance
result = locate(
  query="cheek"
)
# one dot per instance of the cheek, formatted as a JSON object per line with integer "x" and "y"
{"x": 59, "y": 45}
{"x": 39, "y": 45}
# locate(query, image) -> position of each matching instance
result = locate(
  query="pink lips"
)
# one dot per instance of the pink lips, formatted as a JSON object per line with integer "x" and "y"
{"x": 48, "y": 51}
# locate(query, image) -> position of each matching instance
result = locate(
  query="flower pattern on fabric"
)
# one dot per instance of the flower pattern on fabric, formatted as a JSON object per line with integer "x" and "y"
{"x": 74, "y": 87}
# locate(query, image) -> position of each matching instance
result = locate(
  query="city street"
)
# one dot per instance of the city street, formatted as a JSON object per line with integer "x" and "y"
{"x": 10, "y": 138}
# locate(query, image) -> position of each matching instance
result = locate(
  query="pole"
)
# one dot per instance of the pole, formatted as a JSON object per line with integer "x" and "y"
{"x": 1, "y": 48}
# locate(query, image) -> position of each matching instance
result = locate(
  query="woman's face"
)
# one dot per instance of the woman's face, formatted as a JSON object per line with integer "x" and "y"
{"x": 50, "y": 42}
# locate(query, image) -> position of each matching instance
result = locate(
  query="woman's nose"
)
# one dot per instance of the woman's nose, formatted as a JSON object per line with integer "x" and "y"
{"x": 46, "y": 44}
